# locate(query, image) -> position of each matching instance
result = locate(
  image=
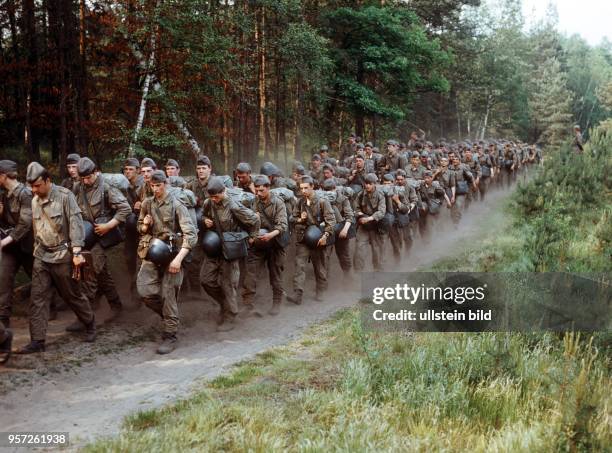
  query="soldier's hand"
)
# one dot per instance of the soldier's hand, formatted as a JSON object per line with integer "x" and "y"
{"x": 343, "y": 233}
{"x": 1, "y": 208}
{"x": 251, "y": 241}
{"x": 137, "y": 206}
{"x": 396, "y": 198}
{"x": 323, "y": 241}
{"x": 209, "y": 223}
{"x": 175, "y": 266}
{"x": 102, "y": 228}
{"x": 303, "y": 215}
{"x": 78, "y": 260}
{"x": 266, "y": 237}
{"x": 452, "y": 200}
{"x": 148, "y": 220}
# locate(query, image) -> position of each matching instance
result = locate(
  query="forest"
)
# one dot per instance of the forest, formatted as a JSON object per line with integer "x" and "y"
{"x": 274, "y": 79}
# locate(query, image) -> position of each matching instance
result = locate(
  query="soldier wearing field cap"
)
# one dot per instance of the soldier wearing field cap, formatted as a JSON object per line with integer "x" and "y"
{"x": 392, "y": 160}
{"x": 242, "y": 177}
{"x": 325, "y": 158}
{"x": 273, "y": 217}
{"x": 345, "y": 216}
{"x": 165, "y": 218}
{"x": 131, "y": 170}
{"x": 198, "y": 186}
{"x": 316, "y": 170}
{"x": 17, "y": 239}
{"x": 219, "y": 276}
{"x": 172, "y": 168}
{"x": 370, "y": 208}
{"x": 105, "y": 208}
{"x": 59, "y": 233}
{"x": 71, "y": 167}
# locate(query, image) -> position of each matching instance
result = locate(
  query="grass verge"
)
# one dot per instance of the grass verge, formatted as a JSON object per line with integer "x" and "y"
{"x": 340, "y": 388}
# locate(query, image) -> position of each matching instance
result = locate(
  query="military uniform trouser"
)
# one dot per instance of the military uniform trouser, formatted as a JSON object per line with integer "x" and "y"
{"x": 3, "y": 334}
{"x": 130, "y": 251}
{"x": 103, "y": 283}
{"x": 373, "y": 240}
{"x": 507, "y": 178}
{"x": 159, "y": 290}
{"x": 483, "y": 187}
{"x": 192, "y": 269}
{"x": 343, "y": 252}
{"x": 427, "y": 223}
{"x": 274, "y": 258}
{"x": 320, "y": 262}
{"x": 457, "y": 208}
{"x": 44, "y": 277}
{"x": 408, "y": 234}
{"x": 9, "y": 266}
{"x": 396, "y": 239}
{"x": 220, "y": 278}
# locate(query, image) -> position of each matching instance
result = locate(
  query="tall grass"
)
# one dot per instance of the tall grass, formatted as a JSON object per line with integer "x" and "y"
{"x": 363, "y": 391}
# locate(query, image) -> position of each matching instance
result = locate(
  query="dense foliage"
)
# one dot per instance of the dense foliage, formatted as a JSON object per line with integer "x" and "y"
{"x": 272, "y": 79}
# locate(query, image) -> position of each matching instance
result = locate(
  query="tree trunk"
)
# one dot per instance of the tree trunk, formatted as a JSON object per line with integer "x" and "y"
{"x": 299, "y": 105}
{"x": 143, "y": 100}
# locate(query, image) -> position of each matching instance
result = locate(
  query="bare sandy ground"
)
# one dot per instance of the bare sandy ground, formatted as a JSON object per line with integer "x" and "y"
{"x": 87, "y": 390}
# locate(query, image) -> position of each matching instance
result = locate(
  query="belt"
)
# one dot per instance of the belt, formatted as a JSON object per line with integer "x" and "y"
{"x": 55, "y": 248}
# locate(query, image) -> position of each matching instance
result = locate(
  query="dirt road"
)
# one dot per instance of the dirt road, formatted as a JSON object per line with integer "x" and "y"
{"x": 86, "y": 390}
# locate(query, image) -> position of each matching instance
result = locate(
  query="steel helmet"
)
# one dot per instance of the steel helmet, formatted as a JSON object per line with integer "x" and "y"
{"x": 160, "y": 253}
{"x": 211, "y": 243}
{"x": 91, "y": 238}
{"x": 311, "y": 236}
{"x": 261, "y": 245}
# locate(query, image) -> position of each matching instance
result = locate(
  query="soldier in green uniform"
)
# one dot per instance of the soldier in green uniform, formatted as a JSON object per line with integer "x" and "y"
{"x": 344, "y": 215}
{"x": 412, "y": 199}
{"x": 510, "y": 165}
{"x": 397, "y": 205}
{"x": 131, "y": 170}
{"x": 272, "y": 214}
{"x": 17, "y": 240}
{"x": 392, "y": 160}
{"x": 198, "y": 186}
{"x": 220, "y": 276}
{"x": 316, "y": 170}
{"x": 242, "y": 177}
{"x": 172, "y": 168}
{"x": 463, "y": 179}
{"x": 446, "y": 178}
{"x": 434, "y": 197}
{"x": 370, "y": 208}
{"x": 105, "y": 208}
{"x": 473, "y": 164}
{"x": 415, "y": 169}
{"x": 164, "y": 217}
{"x": 358, "y": 172}
{"x": 348, "y": 150}
{"x": 311, "y": 210}
{"x": 58, "y": 230}
{"x": 487, "y": 171}
{"x": 73, "y": 175}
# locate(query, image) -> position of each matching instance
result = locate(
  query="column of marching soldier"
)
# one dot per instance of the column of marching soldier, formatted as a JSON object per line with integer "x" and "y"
{"x": 221, "y": 232}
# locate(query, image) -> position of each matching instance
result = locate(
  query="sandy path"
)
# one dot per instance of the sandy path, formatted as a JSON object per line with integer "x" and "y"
{"x": 91, "y": 399}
